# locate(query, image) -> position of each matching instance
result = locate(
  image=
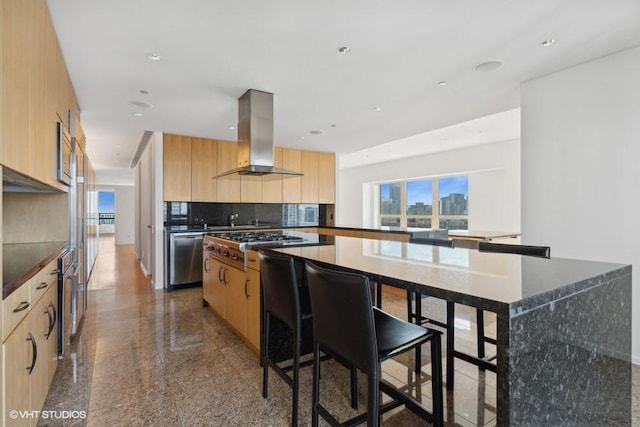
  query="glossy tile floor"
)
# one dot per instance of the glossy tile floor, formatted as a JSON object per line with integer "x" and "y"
{"x": 150, "y": 358}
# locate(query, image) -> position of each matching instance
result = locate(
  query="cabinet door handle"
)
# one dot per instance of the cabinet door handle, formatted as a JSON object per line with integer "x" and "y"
{"x": 56, "y": 271}
{"x": 224, "y": 276}
{"x": 220, "y": 274}
{"x": 42, "y": 285}
{"x": 55, "y": 316}
{"x": 51, "y": 321}
{"x": 252, "y": 259}
{"x": 246, "y": 288}
{"x": 35, "y": 353}
{"x": 23, "y": 306}
{"x": 206, "y": 264}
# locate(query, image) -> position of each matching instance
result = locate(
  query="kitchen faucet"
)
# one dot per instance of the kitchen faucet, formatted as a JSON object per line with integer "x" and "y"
{"x": 231, "y": 219}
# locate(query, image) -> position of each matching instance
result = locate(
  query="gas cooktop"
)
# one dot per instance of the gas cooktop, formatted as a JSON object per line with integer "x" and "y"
{"x": 255, "y": 238}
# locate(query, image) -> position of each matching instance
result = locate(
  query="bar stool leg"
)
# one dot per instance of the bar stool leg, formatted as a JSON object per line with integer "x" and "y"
{"x": 450, "y": 338}
{"x": 436, "y": 381}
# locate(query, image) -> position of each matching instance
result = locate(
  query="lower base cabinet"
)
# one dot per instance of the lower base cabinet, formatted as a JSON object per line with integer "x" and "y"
{"x": 17, "y": 353}
{"x": 30, "y": 358}
{"x": 234, "y": 295}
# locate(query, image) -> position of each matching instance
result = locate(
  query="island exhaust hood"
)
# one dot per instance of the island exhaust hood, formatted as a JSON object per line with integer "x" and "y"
{"x": 255, "y": 136}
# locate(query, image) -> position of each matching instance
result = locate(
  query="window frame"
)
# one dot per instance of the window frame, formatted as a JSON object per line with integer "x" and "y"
{"x": 404, "y": 217}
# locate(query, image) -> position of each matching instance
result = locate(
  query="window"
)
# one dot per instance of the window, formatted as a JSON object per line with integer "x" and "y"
{"x": 427, "y": 203}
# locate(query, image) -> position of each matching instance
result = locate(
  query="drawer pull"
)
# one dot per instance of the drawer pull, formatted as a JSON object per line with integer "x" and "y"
{"x": 252, "y": 260}
{"x": 56, "y": 271}
{"x": 42, "y": 285}
{"x": 23, "y": 306}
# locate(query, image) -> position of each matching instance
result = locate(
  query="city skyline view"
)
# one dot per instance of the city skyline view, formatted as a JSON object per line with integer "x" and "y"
{"x": 453, "y": 197}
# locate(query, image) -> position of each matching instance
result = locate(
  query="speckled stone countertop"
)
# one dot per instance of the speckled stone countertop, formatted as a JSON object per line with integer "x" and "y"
{"x": 20, "y": 261}
{"x": 563, "y": 325}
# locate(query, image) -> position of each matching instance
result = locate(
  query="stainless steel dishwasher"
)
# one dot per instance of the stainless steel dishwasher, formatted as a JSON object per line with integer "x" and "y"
{"x": 185, "y": 259}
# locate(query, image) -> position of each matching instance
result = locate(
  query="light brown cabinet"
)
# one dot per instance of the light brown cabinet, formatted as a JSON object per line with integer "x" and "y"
{"x": 214, "y": 288}
{"x": 177, "y": 167}
{"x": 204, "y": 166}
{"x": 190, "y": 165}
{"x": 291, "y": 185}
{"x": 207, "y": 278}
{"x": 30, "y": 352}
{"x": 17, "y": 354}
{"x": 228, "y": 186}
{"x": 327, "y": 178}
{"x": 236, "y": 310}
{"x": 234, "y": 295}
{"x": 272, "y": 184}
{"x": 36, "y": 90}
{"x": 251, "y": 189}
{"x": 17, "y": 35}
{"x": 310, "y": 180}
{"x": 253, "y": 296}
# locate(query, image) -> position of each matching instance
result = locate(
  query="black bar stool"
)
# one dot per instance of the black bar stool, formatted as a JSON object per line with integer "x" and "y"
{"x": 346, "y": 324}
{"x": 281, "y": 300}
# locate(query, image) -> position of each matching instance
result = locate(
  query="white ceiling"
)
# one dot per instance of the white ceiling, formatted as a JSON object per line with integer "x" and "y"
{"x": 213, "y": 51}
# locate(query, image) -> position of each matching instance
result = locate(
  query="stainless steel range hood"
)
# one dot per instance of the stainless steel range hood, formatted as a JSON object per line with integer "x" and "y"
{"x": 255, "y": 136}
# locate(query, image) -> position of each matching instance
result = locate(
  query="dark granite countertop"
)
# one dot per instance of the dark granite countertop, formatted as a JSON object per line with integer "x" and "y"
{"x": 490, "y": 281}
{"x": 21, "y": 261}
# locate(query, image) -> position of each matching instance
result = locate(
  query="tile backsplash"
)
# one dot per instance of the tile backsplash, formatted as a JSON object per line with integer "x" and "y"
{"x": 267, "y": 214}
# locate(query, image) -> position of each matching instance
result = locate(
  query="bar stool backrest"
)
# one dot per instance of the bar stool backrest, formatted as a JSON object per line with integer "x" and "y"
{"x": 539, "y": 251}
{"x": 343, "y": 316}
{"x": 433, "y": 242}
{"x": 280, "y": 288}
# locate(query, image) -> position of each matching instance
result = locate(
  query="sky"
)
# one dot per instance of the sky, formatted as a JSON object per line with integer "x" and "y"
{"x": 420, "y": 191}
{"x": 106, "y": 201}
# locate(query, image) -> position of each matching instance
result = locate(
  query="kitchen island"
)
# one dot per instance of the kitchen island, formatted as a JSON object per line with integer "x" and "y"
{"x": 563, "y": 326}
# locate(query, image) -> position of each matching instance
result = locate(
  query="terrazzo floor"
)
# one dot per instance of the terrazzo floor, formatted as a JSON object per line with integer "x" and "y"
{"x": 150, "y": 358}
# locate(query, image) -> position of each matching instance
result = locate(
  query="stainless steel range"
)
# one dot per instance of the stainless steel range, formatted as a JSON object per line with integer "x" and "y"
{"x": 230, "y": 248}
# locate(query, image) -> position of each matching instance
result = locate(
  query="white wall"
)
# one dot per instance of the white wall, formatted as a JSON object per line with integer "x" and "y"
{"x": 580, "y": 164}
{"x": 494, "y": 184}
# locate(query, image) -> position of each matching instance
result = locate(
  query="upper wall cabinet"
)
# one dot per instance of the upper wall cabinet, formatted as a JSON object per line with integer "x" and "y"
{"x": 36, "y": 90}
{"x": 204, "y": 166}
{"x": 190, "y": 165}
{"x": 228, "y": 186}
{"x": 291, "y": 185}
{"x": 272, "y": 184}
{"x": 310, "y": 180}
{"x": 177, "y": 168}
{"x": 327, "y": 178}
{"x": 16, "y": 55}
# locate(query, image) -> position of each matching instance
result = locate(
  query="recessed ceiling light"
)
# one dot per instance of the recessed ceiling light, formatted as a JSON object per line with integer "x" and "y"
{"x": 302, "y": 137}
{"x": 154, "y": 56}
{"x": 442, "y": 83}
{"x": 333, "y": 126}
{"x": 137, "y": 114}
{"x": 316, "y": 132}
{"x": 488, "y": 66}
{"x": 144, "y": 92}
{"x": 377, "y": 108}
{"x": 141, "y": 104}
{"x": 231, "y": 128}
{"x": 548, "y": 42}
{"x": 344, "y": 49}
